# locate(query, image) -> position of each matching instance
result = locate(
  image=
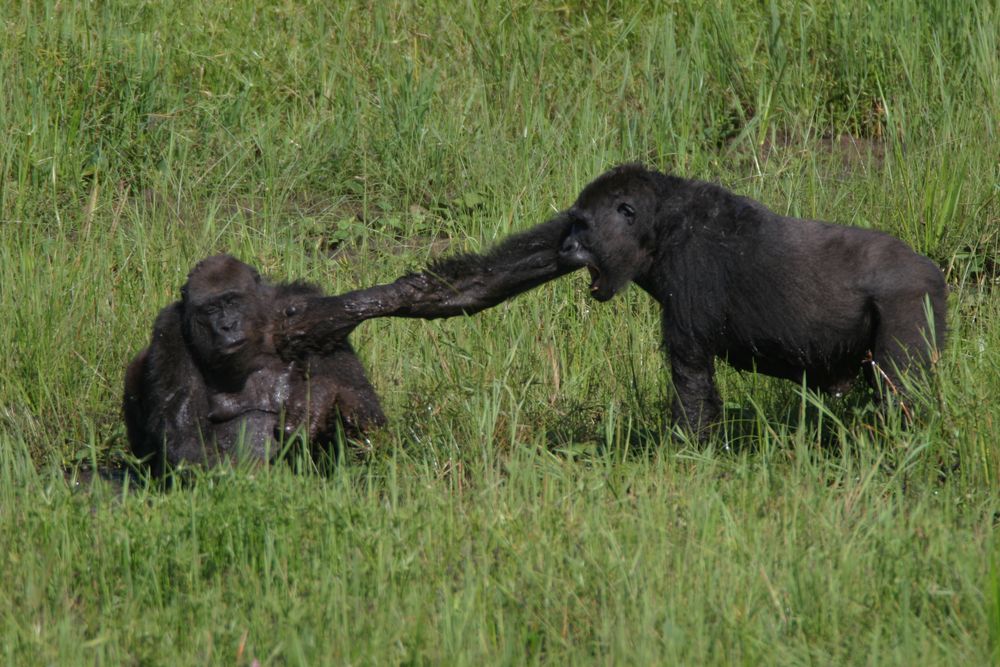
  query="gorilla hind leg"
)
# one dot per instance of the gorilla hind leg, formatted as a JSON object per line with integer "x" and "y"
{"x": 907, "y": 338}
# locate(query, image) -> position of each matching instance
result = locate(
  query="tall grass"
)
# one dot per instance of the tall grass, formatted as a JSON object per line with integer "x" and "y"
{"x": 529, "y": 501}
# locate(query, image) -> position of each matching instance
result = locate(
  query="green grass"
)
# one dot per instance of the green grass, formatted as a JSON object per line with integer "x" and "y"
{"x": 528, "y": 502}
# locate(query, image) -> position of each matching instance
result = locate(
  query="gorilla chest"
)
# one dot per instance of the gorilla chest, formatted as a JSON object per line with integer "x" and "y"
{"x": 251, "y": 414}
{"x": 266, "y": 390}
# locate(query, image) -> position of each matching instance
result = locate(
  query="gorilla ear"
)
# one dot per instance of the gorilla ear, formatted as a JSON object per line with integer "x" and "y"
{"x": 184, "y": 292}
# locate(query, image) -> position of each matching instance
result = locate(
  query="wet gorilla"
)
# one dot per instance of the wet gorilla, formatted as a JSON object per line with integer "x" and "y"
{"x": 458, "y": 285}
{"x": 226, "y": 359}
{"x": 778, "y": 295}
{"x": 212, "y": 379}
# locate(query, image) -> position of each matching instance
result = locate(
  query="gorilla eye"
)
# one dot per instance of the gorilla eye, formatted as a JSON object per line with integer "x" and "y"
{"x": 626, "y": 210}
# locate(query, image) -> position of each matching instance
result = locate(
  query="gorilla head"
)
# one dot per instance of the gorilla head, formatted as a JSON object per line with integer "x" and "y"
{"x": 225, "y": 321}
{"x": 613, "y": 229}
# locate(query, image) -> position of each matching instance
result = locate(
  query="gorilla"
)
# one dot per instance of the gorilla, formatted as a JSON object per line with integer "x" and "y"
{"x": 777, "y": 295}
{"x": 213, "y": 386}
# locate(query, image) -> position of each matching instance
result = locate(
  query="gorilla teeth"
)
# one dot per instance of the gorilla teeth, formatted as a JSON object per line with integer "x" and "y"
{"x": 595, "y": 276}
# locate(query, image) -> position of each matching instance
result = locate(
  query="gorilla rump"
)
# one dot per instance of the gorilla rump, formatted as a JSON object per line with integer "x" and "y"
{"x": 779, "y": 295}
{"x": 212, "y": 379}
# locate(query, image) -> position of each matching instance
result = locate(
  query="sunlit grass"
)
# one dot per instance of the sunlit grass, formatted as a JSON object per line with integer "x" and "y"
{"x": 529, "y": 501}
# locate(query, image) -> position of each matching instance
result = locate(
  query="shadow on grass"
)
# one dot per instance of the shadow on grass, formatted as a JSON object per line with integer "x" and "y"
{"x": 782, "y": 418}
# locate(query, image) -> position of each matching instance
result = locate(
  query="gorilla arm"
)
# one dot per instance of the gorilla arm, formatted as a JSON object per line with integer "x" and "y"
{"x": 467, "y": 284}
{"x": 165, "y": 398}
{"x": 460, "y": 285}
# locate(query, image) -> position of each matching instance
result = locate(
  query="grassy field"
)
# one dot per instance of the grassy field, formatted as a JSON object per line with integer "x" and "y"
{"x": 528, "y": 502}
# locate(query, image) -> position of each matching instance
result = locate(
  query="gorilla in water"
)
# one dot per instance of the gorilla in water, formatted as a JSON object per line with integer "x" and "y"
{"x": 238, "y": 362}
{"x": 213, "y": 386}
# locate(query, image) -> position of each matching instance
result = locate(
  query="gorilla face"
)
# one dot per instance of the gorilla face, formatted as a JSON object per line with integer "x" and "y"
{"x": 612, "y": 231}
{"x": 224, "y": 317}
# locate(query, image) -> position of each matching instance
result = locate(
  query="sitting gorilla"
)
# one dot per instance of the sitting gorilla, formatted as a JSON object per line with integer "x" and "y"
{"x": 779, "y": 295}
{"x": 235, "y": 353}
{"x": 212, "y": 381}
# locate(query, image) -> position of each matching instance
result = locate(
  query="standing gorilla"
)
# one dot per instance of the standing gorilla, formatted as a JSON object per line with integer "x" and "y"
{"x": 782, "y": 296}
{"x": 212, "y": 379}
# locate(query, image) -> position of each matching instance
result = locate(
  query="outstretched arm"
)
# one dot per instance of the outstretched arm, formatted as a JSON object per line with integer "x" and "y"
{"x": 469, "y": 283}
{"x": 464, "y": 284}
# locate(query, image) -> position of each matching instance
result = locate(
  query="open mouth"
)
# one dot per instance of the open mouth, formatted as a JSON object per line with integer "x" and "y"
{"x": 595, "y": 277}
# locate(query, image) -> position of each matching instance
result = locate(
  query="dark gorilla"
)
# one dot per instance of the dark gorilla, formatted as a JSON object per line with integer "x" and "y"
{"x": 213, "y": 381}
{"x": 778, "y": 295}
{"x": 234, "y": 352}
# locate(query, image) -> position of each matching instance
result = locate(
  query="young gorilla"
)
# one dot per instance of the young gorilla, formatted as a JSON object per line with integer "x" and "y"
{"x": 226, "y": 359}
{"x": 782, "y": 296}
{"x": 212, "y": 378}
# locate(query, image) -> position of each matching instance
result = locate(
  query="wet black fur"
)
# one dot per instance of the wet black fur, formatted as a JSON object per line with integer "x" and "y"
{"x": 186, "y": 401}
{"x": 457, "y": 285}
